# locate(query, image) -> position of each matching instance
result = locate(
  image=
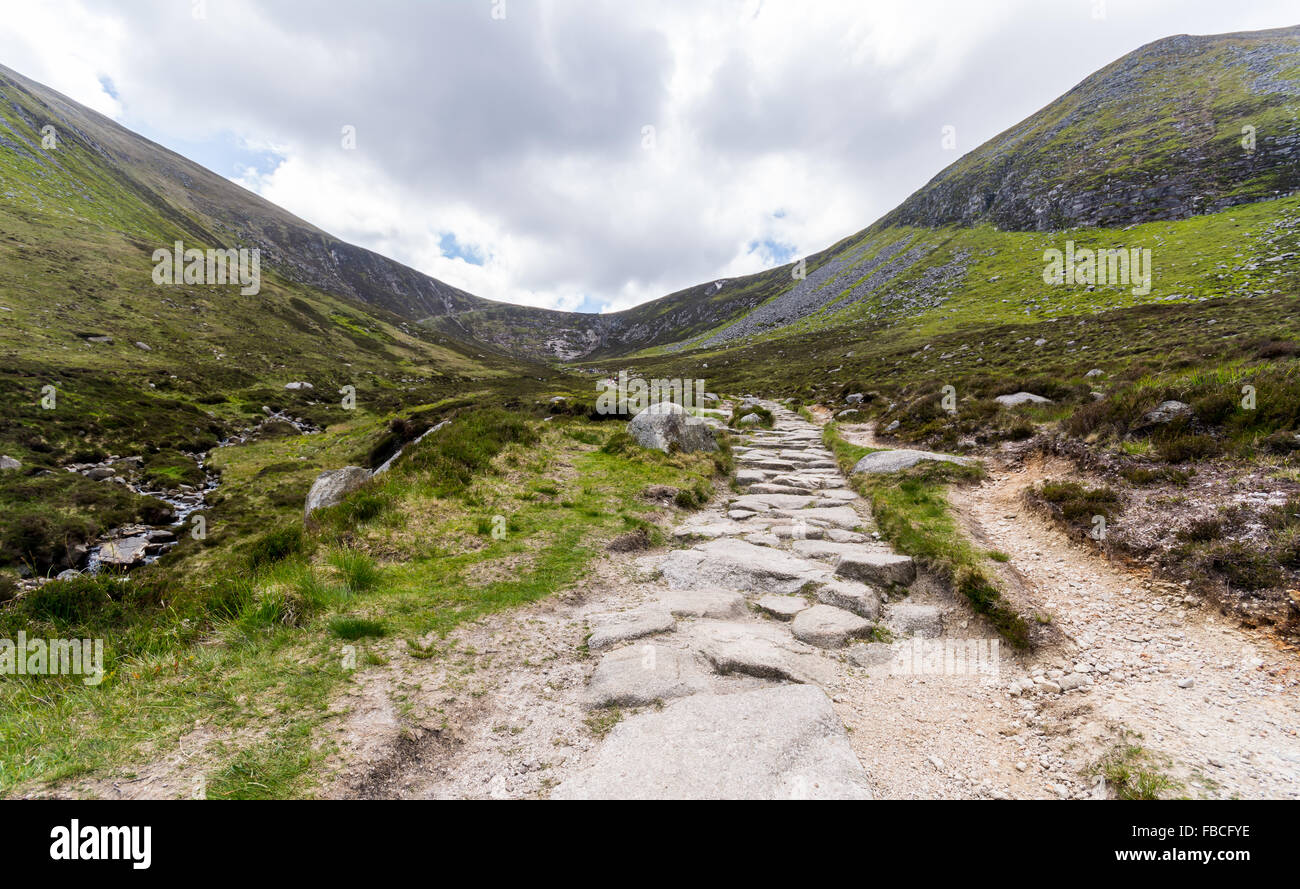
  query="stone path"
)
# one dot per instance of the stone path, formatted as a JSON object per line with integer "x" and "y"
{"x": 777, "y": 590}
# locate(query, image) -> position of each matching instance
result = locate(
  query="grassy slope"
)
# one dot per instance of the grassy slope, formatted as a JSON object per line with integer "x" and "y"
{"x": 392, "y": 571}
{"x": 77, "y": 232}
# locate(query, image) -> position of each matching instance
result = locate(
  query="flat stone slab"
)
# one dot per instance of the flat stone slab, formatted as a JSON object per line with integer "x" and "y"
{"x": 861, "y": 562}
{"x": 769, "y": 488}
{"x": 781, "y": 607}
{"x": 915, "y": 620}
{"x": 764, "y": 502}
{"x": 838, "y": 516}
{"x": 749, "y": 461}
{"x": 872, "y": 654}
{"x": 878, "y": 568}
{"x": 704, "y": 602}
{"x": 805, "y": 531}
{"x": 754, "y": 656}
{"x": 623, "y": 626}
{"x": 750, "y": 477}
{"x": 828, "y": 627}
{"x": 708, "y": 530}
{"x": 639, "y": 675}
{"x": 771, "y": 743}
{"x": 902, "y": 458}
{"x": 850, "y": 595}
{"x": 737, "y": 565}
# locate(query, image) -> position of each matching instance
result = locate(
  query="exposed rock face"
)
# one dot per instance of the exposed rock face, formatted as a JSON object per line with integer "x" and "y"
{"x": 667, "y": 425}
{"x": 332, "y": 485}
{"x": 1056, "y": 170}
{"x": 772, "y": 743}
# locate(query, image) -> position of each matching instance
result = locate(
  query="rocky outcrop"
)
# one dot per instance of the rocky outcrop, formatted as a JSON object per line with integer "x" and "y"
{"x": 332, "y": 485}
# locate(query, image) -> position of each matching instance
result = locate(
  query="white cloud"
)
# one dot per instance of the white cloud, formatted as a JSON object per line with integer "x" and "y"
{"x": 522, "y": 139}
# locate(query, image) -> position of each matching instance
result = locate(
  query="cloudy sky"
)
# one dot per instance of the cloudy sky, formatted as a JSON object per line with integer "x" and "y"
{"x": 581, "y": 154}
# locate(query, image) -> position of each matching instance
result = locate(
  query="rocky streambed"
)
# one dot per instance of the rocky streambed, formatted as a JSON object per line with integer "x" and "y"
{"x": 130, "y": 546}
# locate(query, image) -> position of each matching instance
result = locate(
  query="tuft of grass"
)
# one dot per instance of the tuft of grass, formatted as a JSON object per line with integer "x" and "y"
{"x": 1128, "y": 769}
{"x": 276, "y": 546}
{"x": 602, "y": 722}
{"x": 358, "y": 569}
{"x": 353, "y": 628}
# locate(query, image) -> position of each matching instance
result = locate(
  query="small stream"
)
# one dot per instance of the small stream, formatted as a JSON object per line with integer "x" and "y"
{"x": 133, "y": 545}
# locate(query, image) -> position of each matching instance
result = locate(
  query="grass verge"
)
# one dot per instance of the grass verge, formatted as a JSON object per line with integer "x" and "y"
{"x": 912, "y": 511}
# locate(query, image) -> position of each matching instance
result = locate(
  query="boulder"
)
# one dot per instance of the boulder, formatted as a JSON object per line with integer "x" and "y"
{"x": 123, "y": 552}
{"x": 1167, "y": 412}
{"x": 332, "y": 485}
{"x": 880, "y": 462}
{"x": 1021, "y": 398}
{"x": 861, "y": 562}
{"x": 749, "y": 420}
{"x": 7, "y": 462}
{"x": 298, "y": 385}
{"x": 755, "y": 655}
{"x": 884, "y": 569}
{"x": 667, "y": 425}
{"x": 771, "y": 743}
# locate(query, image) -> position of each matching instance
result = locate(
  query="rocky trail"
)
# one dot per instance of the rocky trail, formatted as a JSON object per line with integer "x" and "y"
{"x": 782, "y": 650}
{"x": 749, "y": 664}
{"x": 1216, "y": 703}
